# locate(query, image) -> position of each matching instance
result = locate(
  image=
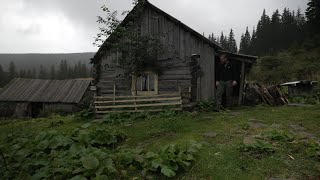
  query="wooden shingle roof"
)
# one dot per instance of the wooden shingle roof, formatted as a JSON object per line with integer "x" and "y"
{"x": 39, "y": 90}
{"x": 147, "y": 4}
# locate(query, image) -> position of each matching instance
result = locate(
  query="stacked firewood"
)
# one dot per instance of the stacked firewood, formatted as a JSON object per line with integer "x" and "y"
{"x": 256, "y": 93}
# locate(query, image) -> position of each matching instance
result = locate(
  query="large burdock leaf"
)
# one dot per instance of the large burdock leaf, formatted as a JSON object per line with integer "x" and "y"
{"x": 167, "y": 171}
{"x": 85, "y": 126}
{"x": 90, "y": 162}
{"x": 78, "y": 178}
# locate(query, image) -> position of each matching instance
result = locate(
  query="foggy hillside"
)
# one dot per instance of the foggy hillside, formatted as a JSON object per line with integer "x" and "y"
{"x": 28, "y": 61}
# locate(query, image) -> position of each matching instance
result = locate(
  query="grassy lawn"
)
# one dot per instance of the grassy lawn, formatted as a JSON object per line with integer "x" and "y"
{"x": 246, "y": 143}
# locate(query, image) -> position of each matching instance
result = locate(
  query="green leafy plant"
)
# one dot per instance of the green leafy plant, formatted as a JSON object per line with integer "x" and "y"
{"x": 169, "y": 159}
{"x": 276, "y": 135}
{"x": 313, "y": 150}
{"x": 119, "y": 118}
{"x": 56, "y": 123}
{"x": 48, "y": 155}
{"x": 206, "y": 106}
{"x": 85, "y": 114}
{"x": 257, "y": 149}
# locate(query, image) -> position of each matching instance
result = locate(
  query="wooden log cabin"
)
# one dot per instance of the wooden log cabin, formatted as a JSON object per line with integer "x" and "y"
{"x": 190, "y": 71}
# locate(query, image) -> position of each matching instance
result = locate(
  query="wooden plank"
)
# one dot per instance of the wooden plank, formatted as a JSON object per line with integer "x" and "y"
{"x": 139, "y": 105}
{"x": 138, "y": 100}
{"x": 148, "y": 96}
{"x": 242, "y": 83}
{"x": 147, "y": 110}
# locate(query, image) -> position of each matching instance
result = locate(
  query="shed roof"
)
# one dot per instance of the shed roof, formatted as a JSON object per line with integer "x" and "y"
{"x": 294, "y": 83}
{"x": 39, "y": 90}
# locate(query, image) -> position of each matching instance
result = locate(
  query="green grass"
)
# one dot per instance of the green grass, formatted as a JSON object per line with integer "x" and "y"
{"x": 222, "y": 156}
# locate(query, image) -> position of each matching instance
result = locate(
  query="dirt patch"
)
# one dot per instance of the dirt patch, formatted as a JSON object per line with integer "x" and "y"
{"x": 209, "y": 134}
{"x": 297, "y": 128}
{"x": 276, "y": 126}
{"x": 163, "y": 134}
{"x": 256, "y": 124}
{"x": 249, "y": 140}
{"x": 235, "y": 114}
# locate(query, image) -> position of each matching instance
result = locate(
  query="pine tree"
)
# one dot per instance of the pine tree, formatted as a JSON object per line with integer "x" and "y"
{"x": 245, "y": 43}
{"x": 300, "y": 27}
{"x": 84, "y": 71}
{"x": 253, "y": 43}
{"x": 29, "y": 74}
{"x": 212, "y": 38}
{"x": 263, "y": 34}
{"x": 313, "y": 16}
{"x": 70, "y": 73}
{"x": 22, "y": 73}
{"x": 232, "y": 44}
{"x": 34, "y": 73}
{"x": 223, "y": 41}
{"x": 287, "y": 28}
{"x": 43, "y": 73}
{"x": 12, "y": 71}
{"x": 276, "y": 32}
{"x": 3, "y": 77}
{"x": 63, "y": 70}
{"x": 52, "y": 72}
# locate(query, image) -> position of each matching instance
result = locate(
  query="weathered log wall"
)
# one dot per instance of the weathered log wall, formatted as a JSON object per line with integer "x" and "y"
{"x": 175, "y": 61}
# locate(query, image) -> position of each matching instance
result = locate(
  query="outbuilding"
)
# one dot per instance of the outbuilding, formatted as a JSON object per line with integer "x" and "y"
{"x": 301, "y": 88}
{"x": 31, "y": 97}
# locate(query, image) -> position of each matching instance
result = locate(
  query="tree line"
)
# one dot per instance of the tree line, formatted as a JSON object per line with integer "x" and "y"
{"x": 60, "y": 72}
{"x": 277, "y": 32}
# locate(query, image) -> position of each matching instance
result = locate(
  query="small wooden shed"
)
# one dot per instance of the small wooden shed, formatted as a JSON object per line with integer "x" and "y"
{"x": 30, "y": 97}
{"x": 190, "y": 71}
{"x": 301, "y": 88}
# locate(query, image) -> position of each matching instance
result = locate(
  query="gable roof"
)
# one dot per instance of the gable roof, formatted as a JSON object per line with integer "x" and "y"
{"x": 147, "y": 4}
{"x": 39, "y": 90}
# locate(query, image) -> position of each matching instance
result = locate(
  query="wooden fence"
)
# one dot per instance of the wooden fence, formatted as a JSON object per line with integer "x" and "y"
{"x": 143, "y": 103}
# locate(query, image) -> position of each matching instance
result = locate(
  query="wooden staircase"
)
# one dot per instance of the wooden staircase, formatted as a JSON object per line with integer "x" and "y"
{"x": 139, "y": 103}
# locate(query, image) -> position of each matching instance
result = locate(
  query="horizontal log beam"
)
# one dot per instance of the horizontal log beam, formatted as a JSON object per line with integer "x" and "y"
{"x": 139, "y": 105}
{"x": 138, "y": 100}
{"x": 146, "y": 110}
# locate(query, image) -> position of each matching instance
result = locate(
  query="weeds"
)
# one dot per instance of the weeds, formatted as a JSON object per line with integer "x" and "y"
{"x": 206, "y": 106}
{"x": 257, "y": 149}
{"x": 276, "y": 135}
{"x": 85, "y": 114}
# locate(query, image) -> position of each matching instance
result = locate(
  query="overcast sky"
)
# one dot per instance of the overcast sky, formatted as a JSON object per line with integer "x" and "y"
{"x": 67, "y": 26}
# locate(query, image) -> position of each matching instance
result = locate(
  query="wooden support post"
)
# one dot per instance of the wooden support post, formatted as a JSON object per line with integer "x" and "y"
{"x": 180, "y": 92}
{"x": 114, "y": 94}
{"x": 135, "y": 105}
{"x": 242, "y": 83}
{"x": 156, "y": 84}
{"x": 148, "y": 82}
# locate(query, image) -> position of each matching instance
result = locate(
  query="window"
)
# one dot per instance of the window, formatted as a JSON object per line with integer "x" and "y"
{"x": 147, "y": 83}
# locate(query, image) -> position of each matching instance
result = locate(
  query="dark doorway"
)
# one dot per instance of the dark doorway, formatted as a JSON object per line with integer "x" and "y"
{"x": 36, "y": 109}
{"x": 236, "y": 89}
